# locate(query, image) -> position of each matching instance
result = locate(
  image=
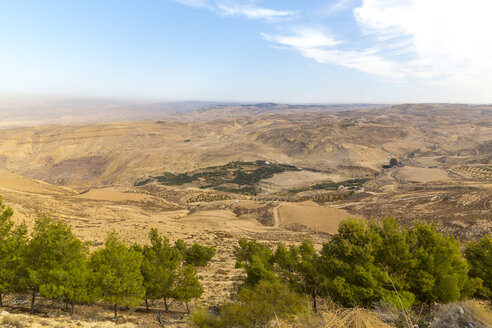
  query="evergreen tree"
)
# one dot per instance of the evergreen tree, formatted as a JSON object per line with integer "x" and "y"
{"x": 440, "y": 272}
{"x": 257, "y": 259}
{"x": 299, "y": 265}
{"x": 196, "y": 255}
{"x": 394, "y": 257}
{"x": 12, "y": 245}
{"x": 187, "y": 285}
{"x": 55, "y": 262}
{"x": 199, "y": 255}
{"x": 159, "y": 268}
{"x": 117, "y": 273}
{"x": 479, "y": 256}
{"x": 348, "y": 262}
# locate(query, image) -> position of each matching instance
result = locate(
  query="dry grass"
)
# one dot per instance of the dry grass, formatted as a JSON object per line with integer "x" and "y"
{"x": 24, "y": 321}
{"x": 13, "y": 321}
{"x": 341, "y": 318}
{"x": 463, "y": 314}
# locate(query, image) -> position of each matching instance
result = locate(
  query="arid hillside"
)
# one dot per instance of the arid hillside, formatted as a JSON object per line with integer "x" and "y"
{"x": 337, "y": 156}
{"x": 344, "y": 144}
{"x": 266, "y": 172}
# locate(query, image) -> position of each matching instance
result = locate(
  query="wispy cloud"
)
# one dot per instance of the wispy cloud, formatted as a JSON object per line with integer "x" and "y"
{"x": 194, "y": 3}
{"x": 245, "y": 9}
{"x": 338, "y": 6}
{"x": 304, "y": 38}
{"x": 317, "y": 45}
{"x": 253, "y": 12}
{"x": 442, "y": 41}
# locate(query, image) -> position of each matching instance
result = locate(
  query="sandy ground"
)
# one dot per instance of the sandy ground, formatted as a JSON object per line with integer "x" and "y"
{"x": 293, "y": 180}
{"x": 12, "y": 181}
{"x": 421, "y": 175}
{"x": 319, "y": 218}
{"x": 113, "y": 194}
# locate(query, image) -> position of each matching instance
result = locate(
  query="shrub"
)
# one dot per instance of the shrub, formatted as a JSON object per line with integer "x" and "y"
{"x": 258, "y": 305}
{"x": 199, "y": 255}
{"x": 201, "y": 318}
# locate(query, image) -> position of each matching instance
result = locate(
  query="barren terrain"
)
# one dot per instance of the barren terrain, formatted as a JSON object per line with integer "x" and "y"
{"x": 271, "y": 173}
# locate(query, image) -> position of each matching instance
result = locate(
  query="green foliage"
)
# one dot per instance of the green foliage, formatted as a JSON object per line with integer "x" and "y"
{"x": 479, "y": 256}
{"x": 159, "y": 267}
{"x": 12, "y": 245}
{"x": 393, "y": 252}
{"x": 440, "y": 272}
{"x": 263, "y": 172}
{"x": 187, "y": 285}
{"x": 199, "y": 255}
{"x": 56, "y": 262}
{"x": 255, "y": 306}
{"x": 257, "y": 259}
{"x": 348, "y": 261}
{"x": 171, "y": 179}
{"x": 117, "y": 272}
{"x": 299, "y": 265}
{"x": 246, "y": 174}
{"x": 258, "y": 305}
{"x": 201, "y": 318}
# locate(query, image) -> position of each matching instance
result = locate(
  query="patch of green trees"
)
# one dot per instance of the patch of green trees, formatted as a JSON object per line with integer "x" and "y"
{"x": 55, "y": 264}
{"x": 368, "y": 262}
{"x": 362, "y": 264}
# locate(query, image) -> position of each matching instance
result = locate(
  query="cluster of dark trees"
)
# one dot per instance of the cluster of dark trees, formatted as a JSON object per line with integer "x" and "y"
{"x": 369, "y": 262}
{"x": 55, "y": 264}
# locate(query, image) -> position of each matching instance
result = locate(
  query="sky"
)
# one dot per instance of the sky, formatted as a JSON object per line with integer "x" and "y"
{"x": 291, "y": 51}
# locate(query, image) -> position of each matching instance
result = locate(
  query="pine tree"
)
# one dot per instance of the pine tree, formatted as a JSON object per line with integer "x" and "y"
{"x": 440, "y": 273}
{"x": 299, "y": 265}
{"x": 348, "y": 263}
{"x": 117, "y": 273}
{"x": 159, "y": 268}
{"x": 12, "y": 245}
{"x": 199, "y": 255}
{"x": 55, "y": 262}
{"x": 257, "y": 259}
{"x": 394, "y": 257}
{"x": 76, "y": 279}
{"x": 187, "y": 285}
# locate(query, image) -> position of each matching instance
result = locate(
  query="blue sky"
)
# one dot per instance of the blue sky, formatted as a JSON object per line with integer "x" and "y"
{"x": 384, "y": 51}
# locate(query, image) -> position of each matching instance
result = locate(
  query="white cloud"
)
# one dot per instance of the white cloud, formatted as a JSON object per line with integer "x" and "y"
{"x": 304, "y": 38}
{"x": 252, "y": 11}
{"x": 450, "y": 39}
{"x": 315, "y": 44}
{"x": 246, "y": 9}
{"x": 443, "y": 41}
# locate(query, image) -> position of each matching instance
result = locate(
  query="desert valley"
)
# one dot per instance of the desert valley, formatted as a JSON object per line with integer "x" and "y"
{"x": 267, "y": 172}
